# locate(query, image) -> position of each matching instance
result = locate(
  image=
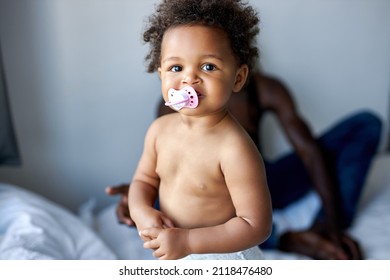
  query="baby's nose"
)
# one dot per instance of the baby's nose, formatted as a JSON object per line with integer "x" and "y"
{"x": 191, "y": 77}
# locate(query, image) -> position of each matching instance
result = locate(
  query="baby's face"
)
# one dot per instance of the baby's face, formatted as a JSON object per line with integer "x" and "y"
{"x": 200, "y": 57}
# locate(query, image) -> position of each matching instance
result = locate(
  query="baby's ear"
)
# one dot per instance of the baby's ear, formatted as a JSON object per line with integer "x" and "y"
{"x": 241, "y": 76}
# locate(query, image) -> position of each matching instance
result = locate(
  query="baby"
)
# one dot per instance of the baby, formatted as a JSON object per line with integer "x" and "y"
{"x": 204, "y": 168}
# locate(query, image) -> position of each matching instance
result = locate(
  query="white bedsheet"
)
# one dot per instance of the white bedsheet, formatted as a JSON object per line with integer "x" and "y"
{"x": 31, "y": 227}
{"x": 372, "y": 226}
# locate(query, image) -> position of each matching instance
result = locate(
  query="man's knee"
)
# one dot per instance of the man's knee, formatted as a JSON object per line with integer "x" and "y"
{"x": 370, "y": 123}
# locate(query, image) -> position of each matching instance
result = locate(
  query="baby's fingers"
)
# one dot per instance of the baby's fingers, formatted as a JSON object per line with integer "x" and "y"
{"x": 153, "y": 244}
{"x": 159, "y": 254}
{"x": 167, "y": 223}
{"x": 150, "y": 233}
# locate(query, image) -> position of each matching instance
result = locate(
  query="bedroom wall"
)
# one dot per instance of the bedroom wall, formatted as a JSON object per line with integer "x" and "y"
{"x": 82, "y": 101}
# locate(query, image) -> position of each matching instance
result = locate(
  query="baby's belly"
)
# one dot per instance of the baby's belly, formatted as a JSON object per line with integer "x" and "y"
{"x": 194, "y": 211}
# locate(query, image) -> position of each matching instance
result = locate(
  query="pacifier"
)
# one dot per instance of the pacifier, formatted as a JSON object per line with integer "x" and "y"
{"x": 183, "y": 98}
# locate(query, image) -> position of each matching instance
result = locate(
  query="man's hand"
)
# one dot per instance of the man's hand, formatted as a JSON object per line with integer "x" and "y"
{"x": 350, "y": 247}
{"x": 156, "y": 218}
{"x": 168, "y": 244}
{"x": 344, "y": 244}
{"x": 122, "y": 209}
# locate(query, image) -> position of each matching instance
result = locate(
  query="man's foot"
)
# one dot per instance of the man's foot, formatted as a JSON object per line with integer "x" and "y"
{"x": 311, "y": 244}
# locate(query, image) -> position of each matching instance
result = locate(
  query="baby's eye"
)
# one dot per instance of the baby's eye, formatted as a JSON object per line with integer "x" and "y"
{"x": 209, "y": 67}
{"x": 176, "y": 68}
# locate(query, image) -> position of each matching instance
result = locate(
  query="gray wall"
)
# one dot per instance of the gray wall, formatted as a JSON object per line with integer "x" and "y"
{"x": 82, "y": 101}
{"x": 8, "y": 146}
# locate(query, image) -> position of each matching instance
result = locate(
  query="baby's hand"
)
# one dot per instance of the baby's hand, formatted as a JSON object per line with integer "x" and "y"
{"x": 168, "y": 244}
{"x": 153, "y": 219}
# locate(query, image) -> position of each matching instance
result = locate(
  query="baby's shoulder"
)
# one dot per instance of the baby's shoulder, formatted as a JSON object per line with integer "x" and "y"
{"x": 163, "y": 122}
{"x": 235, "y": 135}
{"x": 166, "y": 119}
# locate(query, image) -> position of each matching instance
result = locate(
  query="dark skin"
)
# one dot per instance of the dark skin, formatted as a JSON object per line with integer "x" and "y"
{"x": 322, "y": 241}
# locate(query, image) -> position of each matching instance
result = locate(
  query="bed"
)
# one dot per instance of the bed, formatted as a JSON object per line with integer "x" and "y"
{"x": 32, "y": 227}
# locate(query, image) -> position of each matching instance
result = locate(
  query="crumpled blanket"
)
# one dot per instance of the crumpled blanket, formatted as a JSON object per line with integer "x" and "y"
{"x": 32, "y": 227}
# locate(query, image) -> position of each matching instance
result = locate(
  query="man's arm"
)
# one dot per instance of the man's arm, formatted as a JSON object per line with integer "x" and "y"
{"x": 276, "y": 98}
{"x": 122, "y": 208}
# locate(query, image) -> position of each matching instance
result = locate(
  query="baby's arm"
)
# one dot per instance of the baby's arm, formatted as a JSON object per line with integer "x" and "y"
{"x": 144, "y": 189}
{"x": 245, "y": 177}
{"x": 244, "y": 173}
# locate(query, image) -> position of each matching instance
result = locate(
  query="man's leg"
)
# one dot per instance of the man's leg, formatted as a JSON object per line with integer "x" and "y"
{"x": 349, "y": 148}
{"x": 287, "y": 179}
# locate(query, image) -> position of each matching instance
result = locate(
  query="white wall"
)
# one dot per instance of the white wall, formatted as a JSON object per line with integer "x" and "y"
{"x": 82, "y": 101}
{"x": 80, "y": 95}
{"x": 333, "y": 55}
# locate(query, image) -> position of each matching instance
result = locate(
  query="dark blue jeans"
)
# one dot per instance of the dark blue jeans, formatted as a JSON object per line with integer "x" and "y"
{"x": 348, "y": 147}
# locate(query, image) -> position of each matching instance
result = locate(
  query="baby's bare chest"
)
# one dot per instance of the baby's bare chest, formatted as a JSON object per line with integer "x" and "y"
{"x": 191, "y": 178}
{"x": 195, "y": 159}
{"x": 187, "y": 160}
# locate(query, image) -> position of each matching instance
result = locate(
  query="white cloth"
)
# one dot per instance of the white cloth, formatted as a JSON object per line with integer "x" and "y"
{"x": 297, "y": 216}
{"x": 253, "y": 253}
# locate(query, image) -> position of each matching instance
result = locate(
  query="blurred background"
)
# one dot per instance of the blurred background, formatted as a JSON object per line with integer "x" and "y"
{"x": 81, "y": 100}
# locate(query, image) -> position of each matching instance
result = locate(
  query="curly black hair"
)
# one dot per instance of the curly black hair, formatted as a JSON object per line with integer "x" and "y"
{"x": 236, "y": 18}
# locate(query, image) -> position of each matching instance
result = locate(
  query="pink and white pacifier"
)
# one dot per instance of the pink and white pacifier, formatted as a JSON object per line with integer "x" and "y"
{"x": 183, "y": 98}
